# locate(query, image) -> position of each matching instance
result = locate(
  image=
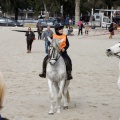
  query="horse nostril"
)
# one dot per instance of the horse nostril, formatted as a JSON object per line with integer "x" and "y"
{"x": 108, "y": 50}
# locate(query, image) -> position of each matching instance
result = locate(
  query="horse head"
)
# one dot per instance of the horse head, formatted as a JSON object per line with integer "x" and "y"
{"x": 114, "y": 50}
{"x": 54, "y": 50}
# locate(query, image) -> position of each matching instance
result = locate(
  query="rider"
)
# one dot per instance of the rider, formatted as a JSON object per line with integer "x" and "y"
{"x": 63, "y": 46}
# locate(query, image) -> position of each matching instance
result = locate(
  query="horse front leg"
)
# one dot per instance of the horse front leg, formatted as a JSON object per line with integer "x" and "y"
{"x": 57, "y": 91}
{"x": 50, "y": 84}
{"x": 61, "y": 86}
{"x": 66, "y": 94}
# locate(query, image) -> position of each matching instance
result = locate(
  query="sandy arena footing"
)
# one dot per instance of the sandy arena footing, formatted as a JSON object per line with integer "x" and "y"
{"x": 94, "y": 91}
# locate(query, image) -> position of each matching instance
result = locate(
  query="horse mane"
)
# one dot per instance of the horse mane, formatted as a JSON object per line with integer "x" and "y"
{"x": 2, "y": 88}
{"x": 55, "y": 43}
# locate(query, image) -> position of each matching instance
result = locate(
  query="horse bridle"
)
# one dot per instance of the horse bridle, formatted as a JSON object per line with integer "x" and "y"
{"x": 52, "y": 56}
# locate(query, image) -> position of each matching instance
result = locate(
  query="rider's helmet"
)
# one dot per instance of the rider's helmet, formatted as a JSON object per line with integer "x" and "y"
{"x": 58, "y": 26}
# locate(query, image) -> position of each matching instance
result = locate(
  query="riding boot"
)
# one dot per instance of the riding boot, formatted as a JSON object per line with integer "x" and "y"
{"x": 69, "y": 71}
{"x": 68, "y": 68}
{"x": 69, "y": 75}
{"x": 43, "y": 74}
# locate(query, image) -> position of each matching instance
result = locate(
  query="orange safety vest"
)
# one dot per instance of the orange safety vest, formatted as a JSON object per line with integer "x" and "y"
{"x": 60, "y": 37}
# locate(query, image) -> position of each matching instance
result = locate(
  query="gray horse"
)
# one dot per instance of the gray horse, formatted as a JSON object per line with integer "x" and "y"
{"x": 56, "y": 75}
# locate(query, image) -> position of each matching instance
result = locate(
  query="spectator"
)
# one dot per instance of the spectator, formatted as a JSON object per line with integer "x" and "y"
{"x": 47, "y": 33}
{"x": 111, "y": 30}
{"x": 39, "y": 30}
{"x": 80, "y": 27}
{"x": 67, "y": 22}
{"x": 86, "y": 28}
{"x": 70, "y": 30}
{"x": 30, "y": 37}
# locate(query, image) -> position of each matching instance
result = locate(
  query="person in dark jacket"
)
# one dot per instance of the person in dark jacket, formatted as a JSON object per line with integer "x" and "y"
{"x": 80, "y": 28}
{"x": 111, "y": 30}
{"x": 63, "y": 47}
{"x": 67, "y": 22}
{"x": 29, "y": 38}
{"x": 39, "y": 30}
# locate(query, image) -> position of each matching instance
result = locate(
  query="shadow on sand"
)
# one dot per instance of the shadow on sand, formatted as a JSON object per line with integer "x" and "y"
{"x": 4, "y": 118}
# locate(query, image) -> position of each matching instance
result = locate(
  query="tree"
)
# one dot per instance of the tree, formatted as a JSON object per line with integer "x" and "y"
{"x": 52, "y": 6}
{"x": 11, "y": 6}
{"x": 77, "y": 11}
{"x": 87, "y": 5}
{"x": 70, "y": 7}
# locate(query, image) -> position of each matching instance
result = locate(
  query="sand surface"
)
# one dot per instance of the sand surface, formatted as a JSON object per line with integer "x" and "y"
{"x": 94, "y": 91}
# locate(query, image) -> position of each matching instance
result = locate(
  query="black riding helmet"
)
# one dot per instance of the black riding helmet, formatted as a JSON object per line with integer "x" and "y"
{"x": 58, "y": 26}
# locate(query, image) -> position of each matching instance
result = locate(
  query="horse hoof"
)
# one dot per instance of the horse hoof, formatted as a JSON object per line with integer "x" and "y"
{"x": 51, "y": 113}
{"x": 65, "y": 107}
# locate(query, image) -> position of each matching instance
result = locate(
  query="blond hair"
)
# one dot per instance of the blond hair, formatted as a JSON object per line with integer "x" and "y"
{"x": 2, "y": 88}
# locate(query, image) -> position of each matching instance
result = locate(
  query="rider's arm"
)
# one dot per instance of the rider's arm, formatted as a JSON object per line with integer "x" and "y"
{"x": 67, "y": 43}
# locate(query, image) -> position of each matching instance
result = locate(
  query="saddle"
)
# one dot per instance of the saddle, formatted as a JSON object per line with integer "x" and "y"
{"x": 67, "y": 63}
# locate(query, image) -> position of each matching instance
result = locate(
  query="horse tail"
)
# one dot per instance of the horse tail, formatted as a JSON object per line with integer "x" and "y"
{"x": 68, "y": 96}
{"x": 2, "y": 88}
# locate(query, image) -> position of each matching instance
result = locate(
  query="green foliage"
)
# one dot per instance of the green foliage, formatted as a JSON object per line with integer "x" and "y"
{"x": 53, "y": 6}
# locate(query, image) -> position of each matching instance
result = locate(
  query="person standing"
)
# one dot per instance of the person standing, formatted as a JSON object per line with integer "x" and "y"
{"x": 40, "y": 30}
{"x": 29, "y": 38}
{"x": 47, "y": 33}
{"x": 111, "y": 30}
{"x": 80, "y": 27}
{"x": 86, "y": 28}
{"x": 67, "y": 22}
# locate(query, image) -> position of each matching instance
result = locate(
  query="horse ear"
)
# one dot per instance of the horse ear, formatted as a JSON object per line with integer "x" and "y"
{"x": 50, "y": 40}
{"x": 61, "y": 40}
